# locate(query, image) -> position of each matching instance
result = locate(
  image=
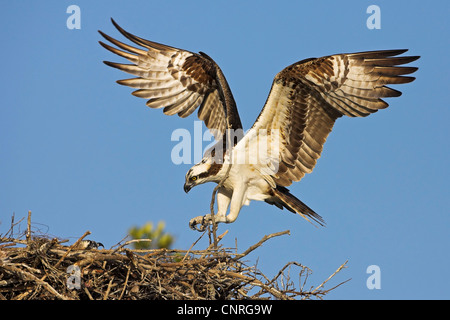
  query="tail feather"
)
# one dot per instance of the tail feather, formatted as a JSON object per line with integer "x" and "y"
{"x": 283, "y": 198}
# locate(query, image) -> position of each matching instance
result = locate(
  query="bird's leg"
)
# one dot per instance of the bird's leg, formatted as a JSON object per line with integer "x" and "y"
{"x": 223, "y": 201}
{"x": 236, "y": 202}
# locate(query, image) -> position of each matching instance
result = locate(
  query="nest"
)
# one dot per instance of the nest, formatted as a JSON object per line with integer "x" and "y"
{"x": 42, "y": 268}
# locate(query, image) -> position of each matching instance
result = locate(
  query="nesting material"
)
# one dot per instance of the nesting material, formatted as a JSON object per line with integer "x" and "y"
{"x": 43, "y": 268}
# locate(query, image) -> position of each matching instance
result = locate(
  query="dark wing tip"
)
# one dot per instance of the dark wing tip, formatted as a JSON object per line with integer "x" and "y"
{"x": 411, "y": 70}
{"x": 107, "y": 37}
{"x": 391, "y": 93}
{"x": 115, "y": 23}
{"x": 128, "y": 35}
{"x": 112, "y": 64}
{"x": 391, "y": 52}
{"x": 104, "y": 45}
{"x": 206, "y": 56}
{"x": 402, "y": 79}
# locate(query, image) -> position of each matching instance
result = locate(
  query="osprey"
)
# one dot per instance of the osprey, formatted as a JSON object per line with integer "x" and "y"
{"x": 304, "y": 102}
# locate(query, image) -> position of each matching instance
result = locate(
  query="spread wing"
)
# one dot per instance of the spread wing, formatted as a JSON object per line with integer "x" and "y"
{"x": 177, "y": 80}
{"x": 307, "y": 97}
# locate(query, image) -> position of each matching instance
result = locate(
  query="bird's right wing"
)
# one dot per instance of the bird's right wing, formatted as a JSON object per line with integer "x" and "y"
{"x": 177, "y": 80}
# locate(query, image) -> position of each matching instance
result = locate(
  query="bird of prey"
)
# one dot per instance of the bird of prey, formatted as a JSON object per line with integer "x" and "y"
{"x": 305, "y": 100}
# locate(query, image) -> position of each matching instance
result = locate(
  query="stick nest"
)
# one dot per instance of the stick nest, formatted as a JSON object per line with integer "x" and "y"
{"x": 43, "y": 268}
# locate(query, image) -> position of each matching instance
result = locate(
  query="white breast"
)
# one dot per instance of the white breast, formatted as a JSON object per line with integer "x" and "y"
{"x": 246, "y": 176}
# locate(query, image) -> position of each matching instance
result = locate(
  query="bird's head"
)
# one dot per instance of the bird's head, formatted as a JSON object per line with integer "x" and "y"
{"x": 204, "y": 171}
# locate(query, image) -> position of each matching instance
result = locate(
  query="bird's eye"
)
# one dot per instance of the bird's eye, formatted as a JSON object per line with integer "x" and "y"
{"x": 193, "y": 178}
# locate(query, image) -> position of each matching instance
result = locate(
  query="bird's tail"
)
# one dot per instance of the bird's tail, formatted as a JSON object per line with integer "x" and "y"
{"x": 293, "y": 204}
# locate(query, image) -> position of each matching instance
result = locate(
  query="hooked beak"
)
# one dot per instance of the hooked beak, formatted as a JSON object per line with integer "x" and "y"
{"x": 187, "y": 187}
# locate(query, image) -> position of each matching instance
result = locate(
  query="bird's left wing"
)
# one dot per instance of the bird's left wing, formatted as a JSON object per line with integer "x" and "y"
{"x": 307, "y": 97}
{"x": 177, "y": 80}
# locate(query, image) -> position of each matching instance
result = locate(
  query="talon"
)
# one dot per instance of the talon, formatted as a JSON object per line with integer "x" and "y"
{"x": 202, "y": 221}
{"x": 192, "y": 224}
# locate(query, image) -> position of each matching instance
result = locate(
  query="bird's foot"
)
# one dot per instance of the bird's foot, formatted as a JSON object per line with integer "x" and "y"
{"x": 200, "y": 223}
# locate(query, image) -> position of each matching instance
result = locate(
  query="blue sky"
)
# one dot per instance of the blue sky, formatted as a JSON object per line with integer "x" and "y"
{"x": 82, "y": 153}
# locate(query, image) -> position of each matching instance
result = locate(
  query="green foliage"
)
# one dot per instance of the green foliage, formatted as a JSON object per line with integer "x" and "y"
{"x": 160, "y": 238}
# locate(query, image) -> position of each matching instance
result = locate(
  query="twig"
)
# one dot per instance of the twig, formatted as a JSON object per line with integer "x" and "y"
{"x": 88, "y": 293}
{"x": 213, "y": 200}
{"x": 264, "y": 239}
{"x": 284, "y": 268}
{"x": 108, "y": 289}
{"x": 70, "y": 249}
{"x": 192, "y": 245}
{"x": 11, "y": 229}
{"x": 331, "y": 276}
{"x": 28, "y": 234}
{"x": 130, "y": 242}
{"x": 125, "y": 284}
{"x": 12, "y": 226}
{"x": 118, "y": 244}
